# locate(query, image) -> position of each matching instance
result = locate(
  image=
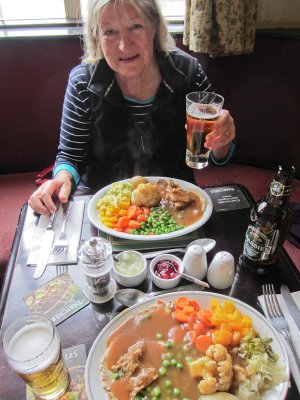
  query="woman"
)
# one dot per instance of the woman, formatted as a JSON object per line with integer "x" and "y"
{"x": 124, "y": 108}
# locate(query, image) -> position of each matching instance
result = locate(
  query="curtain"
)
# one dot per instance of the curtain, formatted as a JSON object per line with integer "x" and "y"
{"x": 220, "y": 27}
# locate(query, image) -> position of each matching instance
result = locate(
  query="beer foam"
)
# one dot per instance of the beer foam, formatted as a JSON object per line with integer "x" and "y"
{"x": 33, "y": 348}
{"x": 203, "y": 111}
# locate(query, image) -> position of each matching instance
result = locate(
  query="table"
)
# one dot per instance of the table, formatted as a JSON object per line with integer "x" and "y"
{"x": 226, "y": 227}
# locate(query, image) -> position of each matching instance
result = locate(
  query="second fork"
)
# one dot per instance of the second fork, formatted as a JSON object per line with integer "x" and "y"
{"x": 276, "y": 317}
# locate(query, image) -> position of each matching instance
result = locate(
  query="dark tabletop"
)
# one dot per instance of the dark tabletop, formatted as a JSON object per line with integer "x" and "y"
{"x": 226, "y": 227}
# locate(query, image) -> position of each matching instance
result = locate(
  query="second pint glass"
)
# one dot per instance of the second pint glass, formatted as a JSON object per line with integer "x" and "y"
{"x": 32, "y": 348}
{"x": 202, "y": 111}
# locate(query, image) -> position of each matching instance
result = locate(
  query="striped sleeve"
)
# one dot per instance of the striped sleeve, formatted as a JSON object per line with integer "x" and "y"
{"x": 76, "y": 123}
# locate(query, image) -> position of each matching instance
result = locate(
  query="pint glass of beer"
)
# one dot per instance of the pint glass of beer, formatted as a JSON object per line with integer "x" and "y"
{"x": 32, "y": 348}
{"x": 202, "y": 111}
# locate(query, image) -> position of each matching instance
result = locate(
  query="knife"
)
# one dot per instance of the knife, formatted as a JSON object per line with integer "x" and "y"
{"x": 291, "y": 305}
{"x": 46, "y": 248}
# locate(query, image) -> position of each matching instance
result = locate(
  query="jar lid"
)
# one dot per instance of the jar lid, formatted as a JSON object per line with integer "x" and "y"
{"x": 95, "y": 251}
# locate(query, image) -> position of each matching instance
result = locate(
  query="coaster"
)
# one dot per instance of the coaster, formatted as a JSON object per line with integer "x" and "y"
{"x": 227, "y": 198}
{"x": 58, "y": 299}
{"x": 75, "y": 360}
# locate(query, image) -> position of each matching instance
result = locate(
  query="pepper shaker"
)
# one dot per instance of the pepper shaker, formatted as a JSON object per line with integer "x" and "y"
{"x": 96, "y": 262}
{"x": 220, "y": 273}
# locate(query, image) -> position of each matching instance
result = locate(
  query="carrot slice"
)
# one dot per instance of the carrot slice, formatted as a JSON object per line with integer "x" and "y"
{"x": 188, "y": 310}
{"x": 203, "y": 342}
{"x": 181, "y": 302}
{"x": 190, "y": 322}
{"x": 122, "y": 222}
{"x": 194, "y": 304}
{"x": 131, "y": 211}
{"x": 192, "y": 335}
{"x": 200, "y": 329}
{"x": 141, "y": 218}
{"x": 134, "y": 224}
{"x": 180, "y": 316}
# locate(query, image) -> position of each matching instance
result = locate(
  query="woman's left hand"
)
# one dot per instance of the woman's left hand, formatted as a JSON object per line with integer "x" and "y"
{"x": 220, "y": 138}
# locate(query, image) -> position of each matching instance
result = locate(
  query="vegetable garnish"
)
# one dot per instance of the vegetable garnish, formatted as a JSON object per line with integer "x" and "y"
{"x": 222, "y": 323}
{"x": 222, "y": 332}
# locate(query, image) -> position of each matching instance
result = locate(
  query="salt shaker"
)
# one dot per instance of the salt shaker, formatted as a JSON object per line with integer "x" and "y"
{"x": 220, "y": 272}
{"x": 195, "y": 262}
{"x": 96, "y": 262}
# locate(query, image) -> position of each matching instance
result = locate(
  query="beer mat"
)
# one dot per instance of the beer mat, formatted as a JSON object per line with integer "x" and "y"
{"x": 73, "y": 232}
{"x": 75, "y": 360}
{"x": 119, "y": 244}
{"x": 58, "y": 299}
{"x": 227, "y": 198}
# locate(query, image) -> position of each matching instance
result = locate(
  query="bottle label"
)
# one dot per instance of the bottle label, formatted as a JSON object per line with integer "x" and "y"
{"x": 259, "y": 246}
{"x": 278, "y": 189}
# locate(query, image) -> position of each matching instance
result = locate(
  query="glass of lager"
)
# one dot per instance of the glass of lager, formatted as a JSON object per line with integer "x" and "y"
{"x": 202, "y": 111}
{"x": 32, "y": 348}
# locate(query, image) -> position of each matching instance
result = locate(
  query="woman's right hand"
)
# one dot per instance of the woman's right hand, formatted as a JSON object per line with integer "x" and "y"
{"x": 41, "y": 200}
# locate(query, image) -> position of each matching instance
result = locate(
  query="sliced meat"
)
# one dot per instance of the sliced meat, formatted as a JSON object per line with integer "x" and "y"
{"x": 178, "y": 197}
{"x": 144, "y": 378}
{"x": 128, "y": 363}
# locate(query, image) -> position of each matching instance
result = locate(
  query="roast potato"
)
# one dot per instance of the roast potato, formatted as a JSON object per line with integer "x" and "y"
{"x": 146, "y": 194}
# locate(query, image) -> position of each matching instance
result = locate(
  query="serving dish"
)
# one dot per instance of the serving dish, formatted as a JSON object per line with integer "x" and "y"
{"x": 165, "y": 283}
{"x": 93, "y": 381}
{"x": 94, "y": 218}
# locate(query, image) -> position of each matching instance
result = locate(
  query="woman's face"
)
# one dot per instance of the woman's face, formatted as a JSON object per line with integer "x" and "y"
{"x": 126, "y": 39}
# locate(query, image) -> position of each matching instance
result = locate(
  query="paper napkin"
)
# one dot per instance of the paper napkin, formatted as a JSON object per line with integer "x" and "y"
{"x": 294, "y": 332}
{"x": 73, "y": 232}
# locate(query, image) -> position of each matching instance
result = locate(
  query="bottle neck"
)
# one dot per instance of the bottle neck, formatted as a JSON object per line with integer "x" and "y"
{"x": 279, "y": 192}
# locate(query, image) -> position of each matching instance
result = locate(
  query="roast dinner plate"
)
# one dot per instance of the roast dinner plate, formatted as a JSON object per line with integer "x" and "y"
{"x": 94, "y": 217}
{"x": 93, "y": 380}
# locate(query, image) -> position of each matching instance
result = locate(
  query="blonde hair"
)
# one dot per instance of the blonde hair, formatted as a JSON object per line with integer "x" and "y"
{"x": 92, "y": 51}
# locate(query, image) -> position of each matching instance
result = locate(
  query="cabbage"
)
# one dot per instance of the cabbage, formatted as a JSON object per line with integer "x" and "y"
{"x": 119, "y": 191}
{"x": 262, "y": 368}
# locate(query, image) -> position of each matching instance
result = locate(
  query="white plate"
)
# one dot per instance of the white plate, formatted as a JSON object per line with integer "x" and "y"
{"x": 94, "y": 218}
{"x": 93, "y": 382}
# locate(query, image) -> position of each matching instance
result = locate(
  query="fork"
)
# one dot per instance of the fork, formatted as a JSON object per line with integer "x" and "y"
{"x": 275, "y": 315}
{"x": 62, "y": 242}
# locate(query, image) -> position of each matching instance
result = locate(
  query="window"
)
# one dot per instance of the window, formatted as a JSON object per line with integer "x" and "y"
{"x": 28, "y": 12}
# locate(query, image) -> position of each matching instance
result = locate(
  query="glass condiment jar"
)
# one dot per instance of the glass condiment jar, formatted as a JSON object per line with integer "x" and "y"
{"x": 96, "y": 262}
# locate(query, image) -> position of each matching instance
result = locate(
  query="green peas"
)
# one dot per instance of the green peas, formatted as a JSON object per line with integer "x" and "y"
{"x": 156, "y": 392}
{"x": 176, "y": 392}
{"x": 179, "y": 365}
{"x": 173, "y": 362}
{"x": 168, "y": 383}
{"x": 162, "y": 371}
{"x": 160, "y": 221}
{"x": 169, "y": 345}
{"x": 167, "y": 355}
{"x": 116, "y": 376}
{"x": 166, "y": 363}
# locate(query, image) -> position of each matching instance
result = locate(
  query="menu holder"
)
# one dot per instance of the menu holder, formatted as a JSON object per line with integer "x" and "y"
{"x": 75, "y": 360}
{"x": 58, "y": 299}
{"x": 227, "y": 198}
{"x": 120, "y": 244}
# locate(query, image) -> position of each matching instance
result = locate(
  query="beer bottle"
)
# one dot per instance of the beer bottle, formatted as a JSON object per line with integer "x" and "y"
{"x": 270, "y": 220}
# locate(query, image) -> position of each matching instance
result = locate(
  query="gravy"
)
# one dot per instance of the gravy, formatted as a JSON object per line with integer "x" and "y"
{"x": 149, "y": 326}
{"x": 190, "y": 214}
